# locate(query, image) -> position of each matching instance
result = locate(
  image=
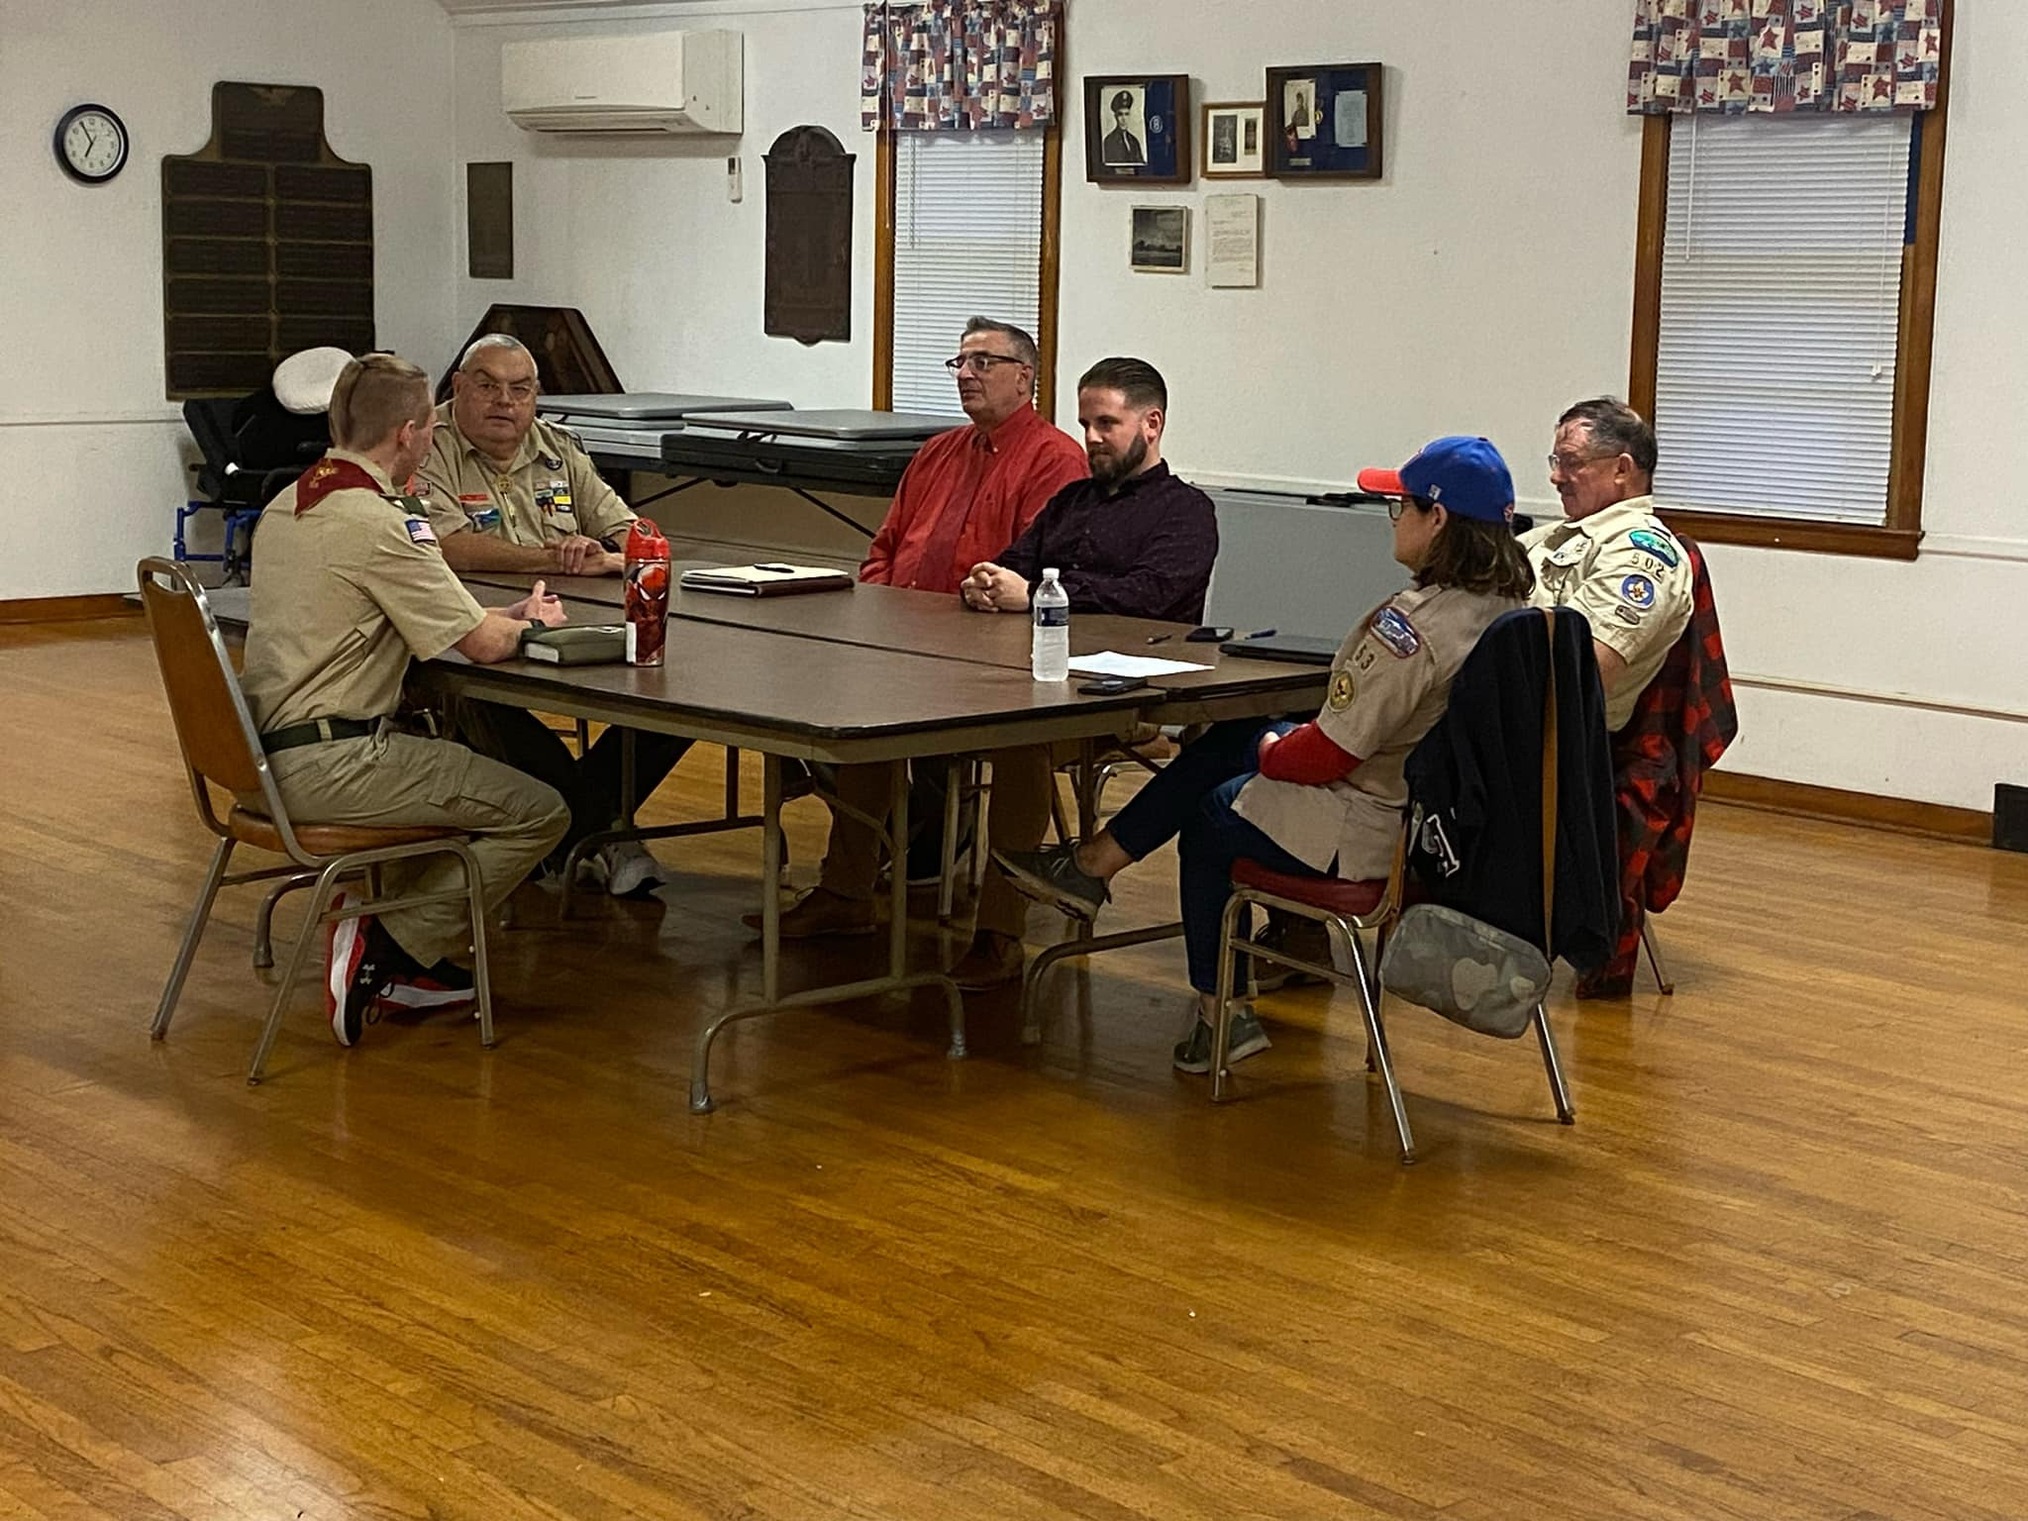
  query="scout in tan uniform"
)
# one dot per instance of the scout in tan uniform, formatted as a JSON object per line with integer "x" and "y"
{"x": 1324, "y": 799}
{"x": 508, "y": 491}
{"x": 350, "y": 589}
{"x": 1611, "y": 558}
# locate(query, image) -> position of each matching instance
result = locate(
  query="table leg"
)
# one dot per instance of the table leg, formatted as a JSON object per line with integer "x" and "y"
{"x": 898, "y": 978}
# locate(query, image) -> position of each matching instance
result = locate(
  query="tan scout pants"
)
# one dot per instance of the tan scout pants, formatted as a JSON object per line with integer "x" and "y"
{"x": 393, "y": 778}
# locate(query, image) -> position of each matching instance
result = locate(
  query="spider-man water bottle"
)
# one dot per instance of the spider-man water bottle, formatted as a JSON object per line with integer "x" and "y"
{"x": 647, "y": 593}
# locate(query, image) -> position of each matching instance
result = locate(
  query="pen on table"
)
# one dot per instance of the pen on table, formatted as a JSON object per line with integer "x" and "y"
{"x": 1262, "y": 633}
{"x": 1160, "y": 638}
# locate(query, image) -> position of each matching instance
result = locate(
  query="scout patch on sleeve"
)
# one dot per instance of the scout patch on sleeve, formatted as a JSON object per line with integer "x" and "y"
{"x": 1627, "y": 616}
{"x": 1363, "y": 657}
{"x": 419, "y": 530}
{"x": 1339, "y": 698}
{"x": 1638, "y": 591}
{"x": 1392, "y": 628}
{"x": 1658, "y": 545}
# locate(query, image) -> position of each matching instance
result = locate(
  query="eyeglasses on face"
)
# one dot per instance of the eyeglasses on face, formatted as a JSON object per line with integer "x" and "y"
{"x": 1570, "y": 464}
{"x": 980, "y": 364}
{"x": 492, "y": 389}
{"x": 1397, "y": 505}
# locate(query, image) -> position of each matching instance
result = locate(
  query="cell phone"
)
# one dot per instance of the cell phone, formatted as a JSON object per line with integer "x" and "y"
{"x": 1111, "y": 686}
{"x": 1211, "y": 633}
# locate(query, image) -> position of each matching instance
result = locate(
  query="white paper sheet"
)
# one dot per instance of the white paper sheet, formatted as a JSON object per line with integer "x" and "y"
{"x": 1232, "y": 228}
{"x": 1113, "y": 663}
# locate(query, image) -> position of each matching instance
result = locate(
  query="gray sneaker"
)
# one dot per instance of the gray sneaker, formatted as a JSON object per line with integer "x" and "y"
{"x": 1050, "y": 875}
{"x": 1247, "y": 1038}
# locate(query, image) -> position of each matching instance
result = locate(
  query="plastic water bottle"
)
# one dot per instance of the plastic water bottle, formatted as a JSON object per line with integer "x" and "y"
{"x": 1049, "y": 649}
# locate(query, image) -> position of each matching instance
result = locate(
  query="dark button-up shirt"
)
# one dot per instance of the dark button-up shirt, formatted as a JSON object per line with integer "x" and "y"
{"x": 1143, "y": 552}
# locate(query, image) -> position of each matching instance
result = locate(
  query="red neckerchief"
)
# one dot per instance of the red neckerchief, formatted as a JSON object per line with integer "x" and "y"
{"x": 329, "y": 475}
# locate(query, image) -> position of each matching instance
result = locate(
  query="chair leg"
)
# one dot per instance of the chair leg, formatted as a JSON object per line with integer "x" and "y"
{"x": 1056, "y": 814}
{"x": 1221, "y": 1029}
{"x": 264, "y": 921}
{"x": 1378, "y": 1057}
{"x": 313, "y": 919}
{"x": 482, "y": 980}
{"x": 1654, "y": 950}
{"x": 193, "y": 932}
{"x": 1564, "y": 1113}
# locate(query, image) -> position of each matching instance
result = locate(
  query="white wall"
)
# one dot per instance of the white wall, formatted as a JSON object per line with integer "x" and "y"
{"x": 98, "y": 451}
{"x": 642, "y": 236}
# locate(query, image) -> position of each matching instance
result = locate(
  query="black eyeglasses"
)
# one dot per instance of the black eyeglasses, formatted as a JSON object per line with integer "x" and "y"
{"x": 1397, "y": 505}
{"x": 980, "y": 364}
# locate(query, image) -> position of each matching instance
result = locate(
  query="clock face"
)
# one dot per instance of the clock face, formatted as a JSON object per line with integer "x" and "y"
{"x": 91, "y": 144}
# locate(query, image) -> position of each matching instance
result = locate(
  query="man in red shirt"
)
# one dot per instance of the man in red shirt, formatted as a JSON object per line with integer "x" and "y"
{"x": 966, "y": 496}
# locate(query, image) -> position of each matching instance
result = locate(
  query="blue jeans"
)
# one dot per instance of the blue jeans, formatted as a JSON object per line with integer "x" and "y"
{"x": 1191, "y": 799}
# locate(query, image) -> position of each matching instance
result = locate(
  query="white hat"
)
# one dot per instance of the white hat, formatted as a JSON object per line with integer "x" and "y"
{"x": 303, "y": 381}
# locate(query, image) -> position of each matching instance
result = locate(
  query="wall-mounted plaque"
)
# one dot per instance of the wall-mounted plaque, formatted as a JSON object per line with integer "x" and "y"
{"x": 809, "y": 238}
{"x": 267, "y": 243}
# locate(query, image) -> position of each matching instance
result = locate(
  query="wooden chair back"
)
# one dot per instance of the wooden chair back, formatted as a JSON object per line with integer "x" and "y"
{"x": 213, "y": 724}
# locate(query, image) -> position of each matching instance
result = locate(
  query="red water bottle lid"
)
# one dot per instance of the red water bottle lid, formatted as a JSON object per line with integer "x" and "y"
{"x": 645, "y": 541}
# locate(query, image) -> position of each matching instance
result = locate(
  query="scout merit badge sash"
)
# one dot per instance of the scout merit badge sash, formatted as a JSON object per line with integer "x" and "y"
{"x": 329, "y": 475}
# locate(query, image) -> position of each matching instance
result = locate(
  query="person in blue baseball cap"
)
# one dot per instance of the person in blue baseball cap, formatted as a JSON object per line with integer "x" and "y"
{"x": 1325, "y": 798}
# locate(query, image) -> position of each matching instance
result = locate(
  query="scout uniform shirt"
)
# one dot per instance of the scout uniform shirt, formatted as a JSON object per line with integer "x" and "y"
{"x": 1389, "y": 684}
{"x": 1630, "y": 578}
{"x": 351, "y": 585}
{"x": 549, "y": 492}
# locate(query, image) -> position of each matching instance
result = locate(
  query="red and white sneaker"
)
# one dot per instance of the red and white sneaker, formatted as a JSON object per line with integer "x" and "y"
{"x": 353, "y": 976}
{"x": 443, "y": 986}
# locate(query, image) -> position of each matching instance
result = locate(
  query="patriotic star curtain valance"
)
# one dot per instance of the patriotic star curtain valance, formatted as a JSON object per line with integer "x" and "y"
{"x": 960, "y": 65}
{"x": 1736, "y": 56}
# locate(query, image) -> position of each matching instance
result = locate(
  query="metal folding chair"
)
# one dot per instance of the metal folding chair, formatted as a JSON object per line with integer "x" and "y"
{"x": 1346, "y": 910}
{"x": 221, "y": 747}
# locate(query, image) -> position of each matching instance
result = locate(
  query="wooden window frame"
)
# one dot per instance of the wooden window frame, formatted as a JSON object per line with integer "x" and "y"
{"x": 1050, "y": 263}
{"x": 1901, "y": 535}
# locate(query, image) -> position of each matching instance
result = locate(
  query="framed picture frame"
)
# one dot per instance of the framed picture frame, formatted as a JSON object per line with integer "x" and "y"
{"x": 1137, "y": 129}
{"x": 1233, "y": 134}
{"x": 1161, "y": 240}
{"x": 1324, "y": 121}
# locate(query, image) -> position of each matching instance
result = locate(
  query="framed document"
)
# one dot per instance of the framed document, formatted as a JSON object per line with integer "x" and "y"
{"x": 1137, "y": 129}
{"x": 1232, "y": 241}
{"x": 1234, "y": 135}
{"x": 1324, "y": 122}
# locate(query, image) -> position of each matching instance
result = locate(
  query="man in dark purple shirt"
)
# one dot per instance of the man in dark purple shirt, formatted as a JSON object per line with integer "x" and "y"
{"x": 1133, "y": 540}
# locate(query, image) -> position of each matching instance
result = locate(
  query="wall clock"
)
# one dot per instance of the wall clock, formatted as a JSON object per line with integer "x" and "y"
{"x": 91, "y": 144}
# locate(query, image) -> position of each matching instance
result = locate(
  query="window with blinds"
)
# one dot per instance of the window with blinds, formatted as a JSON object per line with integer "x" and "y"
{"x": 967, "y": 242}
{"x": 1780, "y": 310}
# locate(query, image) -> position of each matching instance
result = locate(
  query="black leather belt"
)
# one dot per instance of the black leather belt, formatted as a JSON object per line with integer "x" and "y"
{"x": 319, "y": 731}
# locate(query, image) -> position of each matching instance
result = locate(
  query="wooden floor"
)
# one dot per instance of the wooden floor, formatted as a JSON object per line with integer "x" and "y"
{"x": 1778, "y": 1269}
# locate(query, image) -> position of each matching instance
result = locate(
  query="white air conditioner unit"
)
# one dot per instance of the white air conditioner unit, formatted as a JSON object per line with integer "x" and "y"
{"x": 659, "y": 82}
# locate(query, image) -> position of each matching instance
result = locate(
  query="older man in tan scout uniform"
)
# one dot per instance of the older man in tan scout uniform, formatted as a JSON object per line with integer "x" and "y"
{"x": 1611, "y": 558}
{"x": 508, "y": 491}
{"x": 351, "y": 588}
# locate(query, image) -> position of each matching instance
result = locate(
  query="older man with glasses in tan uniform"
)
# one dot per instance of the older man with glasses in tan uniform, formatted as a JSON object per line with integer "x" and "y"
{"x": 508, "y": 491}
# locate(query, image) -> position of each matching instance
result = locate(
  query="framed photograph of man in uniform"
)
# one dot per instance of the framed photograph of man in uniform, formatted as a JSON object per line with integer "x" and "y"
{"x": 1235, "y": 140}
{"x": 1324, "y": 122}
{"x": 1137, "y": 129}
